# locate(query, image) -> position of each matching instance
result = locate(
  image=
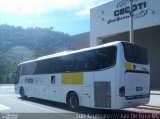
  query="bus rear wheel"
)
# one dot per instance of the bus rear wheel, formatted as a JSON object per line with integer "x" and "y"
{"x": 73, "y": 101}
{"x": 22, "y": 93}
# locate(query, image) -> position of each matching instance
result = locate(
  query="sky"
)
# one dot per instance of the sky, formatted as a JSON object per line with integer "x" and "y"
{"x": 68, "y": 16}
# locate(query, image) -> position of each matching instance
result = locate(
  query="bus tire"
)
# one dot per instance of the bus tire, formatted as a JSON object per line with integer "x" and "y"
{"x": 22, "y": 93}
{"x": 73, "y": 101}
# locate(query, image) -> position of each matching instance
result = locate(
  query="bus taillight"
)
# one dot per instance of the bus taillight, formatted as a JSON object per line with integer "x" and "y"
{"x": 122, "y": 91}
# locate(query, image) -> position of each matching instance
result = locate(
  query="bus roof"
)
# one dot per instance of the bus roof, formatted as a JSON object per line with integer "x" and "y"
{"x": 72, "y": 52}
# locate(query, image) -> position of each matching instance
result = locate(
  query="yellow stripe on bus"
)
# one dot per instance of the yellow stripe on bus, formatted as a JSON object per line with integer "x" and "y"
{"x": 72, "y": 78}
{"x": 128, "y": 66}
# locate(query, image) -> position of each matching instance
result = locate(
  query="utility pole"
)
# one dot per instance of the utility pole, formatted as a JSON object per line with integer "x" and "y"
{"x": 131, "y": 22}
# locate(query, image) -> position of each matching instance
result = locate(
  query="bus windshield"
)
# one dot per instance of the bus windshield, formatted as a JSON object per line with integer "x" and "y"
{"x": 135, "y": 54}
{"x": 17, "y": 74}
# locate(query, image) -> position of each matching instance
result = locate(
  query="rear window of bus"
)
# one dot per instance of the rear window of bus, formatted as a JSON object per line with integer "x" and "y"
{"x": 135, "y": 54}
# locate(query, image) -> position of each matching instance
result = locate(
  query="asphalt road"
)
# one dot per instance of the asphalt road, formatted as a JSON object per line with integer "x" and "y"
{"x": 12, "y": 107}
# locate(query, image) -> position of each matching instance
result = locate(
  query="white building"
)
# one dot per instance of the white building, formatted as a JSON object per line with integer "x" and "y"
{"x": 110, "y": 22}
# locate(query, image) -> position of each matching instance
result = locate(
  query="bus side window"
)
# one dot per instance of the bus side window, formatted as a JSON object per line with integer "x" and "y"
{"x": 53, "y": 80}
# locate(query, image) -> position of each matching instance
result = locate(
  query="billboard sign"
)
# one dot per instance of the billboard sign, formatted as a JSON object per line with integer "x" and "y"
{"x": 113, "y": 17}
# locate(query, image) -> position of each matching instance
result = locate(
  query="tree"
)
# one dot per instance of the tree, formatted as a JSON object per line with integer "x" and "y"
{"x": 18, "y": 44}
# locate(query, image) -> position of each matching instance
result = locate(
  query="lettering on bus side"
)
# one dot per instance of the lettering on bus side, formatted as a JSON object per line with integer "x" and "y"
{"x": 28, "y": 80}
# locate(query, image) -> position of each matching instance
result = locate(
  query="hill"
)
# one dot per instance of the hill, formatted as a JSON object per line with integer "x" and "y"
{"x": 19, "y": 44}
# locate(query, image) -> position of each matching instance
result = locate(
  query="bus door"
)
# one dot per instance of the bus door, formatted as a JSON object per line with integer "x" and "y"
{"x": 52, "y": 90}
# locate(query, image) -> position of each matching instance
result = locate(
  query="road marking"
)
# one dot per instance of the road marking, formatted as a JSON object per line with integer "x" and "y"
{"x": 43, "y": 108}
{"x": 51, "y": 111}
{"x": 3, "y": 107}
{"x": 9, "y": 95}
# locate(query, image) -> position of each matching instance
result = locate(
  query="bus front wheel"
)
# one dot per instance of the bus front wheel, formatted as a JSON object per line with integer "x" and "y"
{"x": 73, "y": 101}
{"x": 22, "y": 93}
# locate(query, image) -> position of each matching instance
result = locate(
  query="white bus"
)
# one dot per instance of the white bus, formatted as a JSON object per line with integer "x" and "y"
{"x": 114, "y": 75}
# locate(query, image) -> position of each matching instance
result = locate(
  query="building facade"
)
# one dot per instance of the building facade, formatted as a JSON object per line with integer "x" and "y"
{"x": 110, "y": 22}
{"x": 80, "y": 41}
